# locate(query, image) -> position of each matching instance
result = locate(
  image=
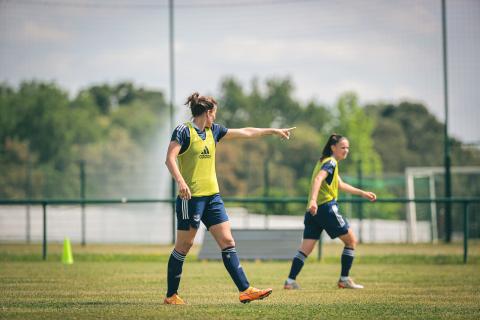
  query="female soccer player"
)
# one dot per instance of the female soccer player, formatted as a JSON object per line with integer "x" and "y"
{"x": 193, "y": 145}
{"x": 322, "y": 212}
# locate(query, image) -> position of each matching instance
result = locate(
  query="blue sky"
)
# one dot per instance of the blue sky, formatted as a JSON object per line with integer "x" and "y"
{"x": 383, "y": 50}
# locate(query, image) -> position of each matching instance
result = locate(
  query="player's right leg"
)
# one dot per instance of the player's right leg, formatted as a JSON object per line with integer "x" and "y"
{"x": 297, "y": 263}
{"x": 183, "y": 244}
{"x": 186, "y": 230}
{"x": 311, "y": 234}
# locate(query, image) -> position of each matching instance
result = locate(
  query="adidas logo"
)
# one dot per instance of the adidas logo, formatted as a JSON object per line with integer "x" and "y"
{"x": 205, "y": 154}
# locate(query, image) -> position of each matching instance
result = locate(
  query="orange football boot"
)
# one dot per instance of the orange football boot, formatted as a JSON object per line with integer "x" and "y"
{"x": 254, "y": 294}
{"x": 175, "y": 299}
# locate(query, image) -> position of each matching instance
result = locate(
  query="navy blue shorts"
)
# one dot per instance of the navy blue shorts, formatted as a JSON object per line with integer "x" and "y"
{"x": 327, "y": 218}
{"x": 209, "y": 209}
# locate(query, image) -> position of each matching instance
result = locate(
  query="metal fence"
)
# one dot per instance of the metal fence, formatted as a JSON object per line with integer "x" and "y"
{"x": 465, "y": 203}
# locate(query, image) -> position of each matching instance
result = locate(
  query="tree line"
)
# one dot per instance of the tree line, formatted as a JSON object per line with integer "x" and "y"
{"x": 44, "y": 133}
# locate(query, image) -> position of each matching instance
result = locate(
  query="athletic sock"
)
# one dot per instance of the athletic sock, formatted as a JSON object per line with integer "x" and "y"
{"x": 232, "y": 264}
{"x": 297, "y": 265}
{"x": 347, "y": 260}
{"x": 174, "y": 273}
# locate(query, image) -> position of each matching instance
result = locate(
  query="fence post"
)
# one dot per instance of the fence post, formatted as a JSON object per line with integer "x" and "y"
{"x": 433, "y": 209}
{"x": 320, "y": 242}
{"x": 465, "y": 231}
{"x": 360, "y": 205}
{"x": 174, "y": 215}
{"x": 82, "y": 196}
{"x": 28, "y": 189}
{"x": 44, "y": 246}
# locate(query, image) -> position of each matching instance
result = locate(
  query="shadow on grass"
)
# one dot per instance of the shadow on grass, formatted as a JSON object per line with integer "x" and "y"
{"x": 367, "y": 259}
{"x": 76, "y": 304}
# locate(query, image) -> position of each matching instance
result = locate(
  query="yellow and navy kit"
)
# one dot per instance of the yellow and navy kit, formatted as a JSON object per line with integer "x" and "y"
{"x": 197, "y": 163}
{"x": 329, "y": 188}
{"x": 328, "y": 217}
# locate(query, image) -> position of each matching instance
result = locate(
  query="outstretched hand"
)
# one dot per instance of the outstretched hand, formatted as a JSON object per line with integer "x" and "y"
{"x": 369, "y": 195}
{"x": 285, "y": 133}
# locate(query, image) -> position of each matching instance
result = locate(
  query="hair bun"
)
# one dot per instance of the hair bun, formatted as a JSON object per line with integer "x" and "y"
{"x": 193, "y": 99}
{"x": 199, "y": 104}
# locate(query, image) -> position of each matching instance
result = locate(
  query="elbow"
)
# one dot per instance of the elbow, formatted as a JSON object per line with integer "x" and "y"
{"x": 318, "y": 180}
{"x": 249, "y": 133}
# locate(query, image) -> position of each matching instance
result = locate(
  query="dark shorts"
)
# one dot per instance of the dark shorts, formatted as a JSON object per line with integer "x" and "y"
{"x": 327, "y": 218}
{"x": 209, "y": 209}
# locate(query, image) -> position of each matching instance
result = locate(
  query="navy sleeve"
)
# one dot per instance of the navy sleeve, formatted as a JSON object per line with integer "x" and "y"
{"x": 181, "y": 134}
{"x": 218, "y": 131}
{"x": 329, "y": 166}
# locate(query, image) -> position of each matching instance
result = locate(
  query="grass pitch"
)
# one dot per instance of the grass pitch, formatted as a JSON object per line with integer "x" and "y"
{"x": 129, "y": 282}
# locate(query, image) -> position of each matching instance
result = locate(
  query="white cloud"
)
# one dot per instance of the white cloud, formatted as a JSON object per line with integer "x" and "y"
{"x": 271, "y": 50}
{"x": 38, "y": 32}
{"x": 137, "y": 57}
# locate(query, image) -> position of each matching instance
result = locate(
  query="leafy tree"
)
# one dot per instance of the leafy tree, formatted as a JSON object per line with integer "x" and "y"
{"x": 354, "y": 123}
{"x": 408, "y": 135}
{"x": 42, "y": 129}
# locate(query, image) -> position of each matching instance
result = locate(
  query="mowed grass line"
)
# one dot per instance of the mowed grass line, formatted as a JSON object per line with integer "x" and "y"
{"x": 135, "y": 290}
{"x": 366, "y": 253}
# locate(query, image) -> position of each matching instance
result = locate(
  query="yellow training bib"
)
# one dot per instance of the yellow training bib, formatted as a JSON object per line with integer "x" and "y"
{"x": 197, "y": 164}
{"x": 329, "y": 188}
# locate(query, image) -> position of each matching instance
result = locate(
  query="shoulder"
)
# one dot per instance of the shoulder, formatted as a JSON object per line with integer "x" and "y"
{"x": 181, "y": 133}
{"x": 218, "y": 131}
{"x": 332, "y": 162}
{"x": 181, "y": 128}
{"x": 218, "y": 127}
{"x": 329, "y": 161}
{"x": 329, "y": 164}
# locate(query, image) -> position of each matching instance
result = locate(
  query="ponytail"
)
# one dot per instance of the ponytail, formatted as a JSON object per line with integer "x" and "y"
{"x": 332, "y": 140}
{"x": 200, "y": 104}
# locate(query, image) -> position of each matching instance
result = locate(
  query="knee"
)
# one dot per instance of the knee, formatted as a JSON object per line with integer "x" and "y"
{"x": 306, "y": 251}
{"x": 184, "y": 246}
{"x": 351, "y": 243}
{"x": 227, "y": 243}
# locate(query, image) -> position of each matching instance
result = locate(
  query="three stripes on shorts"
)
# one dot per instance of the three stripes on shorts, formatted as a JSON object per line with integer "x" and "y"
{"x": 184, "y": 209}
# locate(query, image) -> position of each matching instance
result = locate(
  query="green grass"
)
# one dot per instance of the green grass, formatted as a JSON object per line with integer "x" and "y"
{"x": 128, "y": 288}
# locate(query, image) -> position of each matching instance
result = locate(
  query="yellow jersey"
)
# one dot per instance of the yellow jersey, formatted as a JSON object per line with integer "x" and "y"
{"x": 329, "y": 188}
{"x": 197, "y": 164}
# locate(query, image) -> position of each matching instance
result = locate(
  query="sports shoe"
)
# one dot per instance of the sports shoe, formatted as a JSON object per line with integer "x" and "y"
{"x": 175, "y": 299}
{"x": 349, "y": 284}
{"x": 254, "y": 294}
{"x": 291, "y": 286}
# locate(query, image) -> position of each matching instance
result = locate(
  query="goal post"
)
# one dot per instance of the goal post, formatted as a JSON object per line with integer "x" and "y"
{"x": 411, "y": 173}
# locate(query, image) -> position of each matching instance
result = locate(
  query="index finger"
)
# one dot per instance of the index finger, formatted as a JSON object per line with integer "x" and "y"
{"x": 290, "y": 129}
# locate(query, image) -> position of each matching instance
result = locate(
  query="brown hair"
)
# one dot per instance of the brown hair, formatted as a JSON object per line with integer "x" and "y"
{"x": 200, "y": 104}
{"x": 332, "y": 140}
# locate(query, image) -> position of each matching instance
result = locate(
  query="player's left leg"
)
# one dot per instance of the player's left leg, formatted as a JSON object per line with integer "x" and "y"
{"x": 297, "y": 263}
{"x": 348, "y": 255}
{"x": 222, "y": 234}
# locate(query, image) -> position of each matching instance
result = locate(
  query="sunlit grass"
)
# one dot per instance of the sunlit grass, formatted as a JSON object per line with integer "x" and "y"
{"x": 133, "y": 290}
